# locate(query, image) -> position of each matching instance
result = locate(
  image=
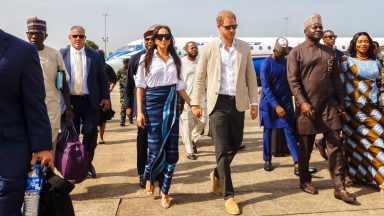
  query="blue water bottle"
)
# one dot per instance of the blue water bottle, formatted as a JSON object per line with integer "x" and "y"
{"x": 32, "y": 193}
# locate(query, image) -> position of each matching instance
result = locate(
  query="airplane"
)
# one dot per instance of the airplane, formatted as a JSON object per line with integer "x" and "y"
{"x": 261, "y": 48}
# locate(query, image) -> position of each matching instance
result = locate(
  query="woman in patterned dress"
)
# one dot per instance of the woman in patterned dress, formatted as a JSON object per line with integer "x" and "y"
{"x": 364, "y": 122}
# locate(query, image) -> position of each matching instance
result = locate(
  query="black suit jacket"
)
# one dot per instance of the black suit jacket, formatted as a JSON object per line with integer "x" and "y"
{"x": 24, "y": 123}
{"x": 129, "y": 81}
{"x": 98, "y": 86}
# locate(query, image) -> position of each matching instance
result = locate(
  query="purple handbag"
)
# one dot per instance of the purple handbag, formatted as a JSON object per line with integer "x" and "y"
{"x": 71, "y": 159}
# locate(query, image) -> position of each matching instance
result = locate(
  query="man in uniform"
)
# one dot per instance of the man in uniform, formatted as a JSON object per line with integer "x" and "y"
{"x": 315, "y": 83}
{"x": 142, "y": 133}
{"x": 121, "y": 77}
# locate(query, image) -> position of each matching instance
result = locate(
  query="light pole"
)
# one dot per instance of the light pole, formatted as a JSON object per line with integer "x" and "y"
{"x": 105, "y": 38}
{"x": 286, "y": 25}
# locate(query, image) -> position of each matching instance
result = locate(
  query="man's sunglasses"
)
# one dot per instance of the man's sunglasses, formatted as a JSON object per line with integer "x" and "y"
{"x": 78, "y": 36}
{"x": 165, "y": 36}
{"x": 147, "y": 39}
{"x": 229, "y": 27}
{"x": 35, "y": 33}
{"x": 331, "y": 37}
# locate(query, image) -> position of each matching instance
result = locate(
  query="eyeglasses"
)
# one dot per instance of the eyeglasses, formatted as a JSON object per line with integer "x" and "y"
{"x": 165, "y": 36}
{"x": 35, "y": 33}
{"x": 229, "y": 27}
{"x": 78, "y": 36}
{"x": 332, "y": 37}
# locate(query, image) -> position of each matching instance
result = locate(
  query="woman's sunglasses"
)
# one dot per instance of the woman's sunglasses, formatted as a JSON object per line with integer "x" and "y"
{"x": 165, "y": 36}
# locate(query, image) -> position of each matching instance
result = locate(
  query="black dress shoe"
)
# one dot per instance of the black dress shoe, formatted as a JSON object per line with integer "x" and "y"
{"x": 191, "y": 157}
{"x": 194, "y": 147}
{"x": 268, "y": 166}
{"x": 92, "y": 171}
{"x": 309, "y": 188}
{"x": 311, "y": 170}
{"x": 296, "y": 171}
{"x": 142, "y": 181}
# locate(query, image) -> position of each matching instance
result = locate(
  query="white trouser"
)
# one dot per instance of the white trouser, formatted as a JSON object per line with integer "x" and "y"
{"x": 191, "y": 128}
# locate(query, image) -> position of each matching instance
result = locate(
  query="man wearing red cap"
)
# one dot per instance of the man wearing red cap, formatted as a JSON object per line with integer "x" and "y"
{"x": 51, "y": 62}
{"x": 142, "y": 133}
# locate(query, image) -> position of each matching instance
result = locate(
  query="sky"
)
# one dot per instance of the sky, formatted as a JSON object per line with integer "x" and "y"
{"x": 128, "y": 19}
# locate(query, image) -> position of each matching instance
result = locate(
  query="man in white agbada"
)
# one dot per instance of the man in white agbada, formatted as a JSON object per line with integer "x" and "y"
{"x": 191, "y": 127}
{"x": 51, "y": 62}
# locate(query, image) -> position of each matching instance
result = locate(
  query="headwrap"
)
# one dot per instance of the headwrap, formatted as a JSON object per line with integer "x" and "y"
{"x": 281, "y": 45}
{"x": 313, "y": 19}
{"x": 35, "y": 24}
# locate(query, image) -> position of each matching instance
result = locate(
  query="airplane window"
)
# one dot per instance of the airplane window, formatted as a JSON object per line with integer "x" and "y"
{"x": 269, "y": 48}
{"x": 260, "y": 48}
{"x": 251, "y": 47}
{"x": 343, "y": 47}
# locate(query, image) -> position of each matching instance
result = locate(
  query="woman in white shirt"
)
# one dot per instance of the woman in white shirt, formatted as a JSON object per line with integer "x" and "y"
{"x": 159, "y": 88}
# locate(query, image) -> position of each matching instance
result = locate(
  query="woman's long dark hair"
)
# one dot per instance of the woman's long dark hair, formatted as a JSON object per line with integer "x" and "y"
{"x": 352, "y": 46}
{"x": 171, "y": 50}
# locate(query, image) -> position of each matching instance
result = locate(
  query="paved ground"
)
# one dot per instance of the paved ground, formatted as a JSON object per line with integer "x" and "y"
{"x": 115, "y": 190}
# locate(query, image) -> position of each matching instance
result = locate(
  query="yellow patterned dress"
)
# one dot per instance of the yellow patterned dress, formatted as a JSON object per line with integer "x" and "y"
{"x": 364, "y": 122}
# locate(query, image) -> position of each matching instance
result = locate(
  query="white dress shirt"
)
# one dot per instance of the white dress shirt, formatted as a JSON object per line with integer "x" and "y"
{"x": 160, "y": 74}
{"x": 73, "y": 56}
{"x": 228, "y": 79}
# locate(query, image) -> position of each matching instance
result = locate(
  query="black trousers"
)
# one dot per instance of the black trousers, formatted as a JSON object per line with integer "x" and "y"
{"x": 142, "y": 149}
{"x": 226, "y": 126}
{"x": 88, "y": 118}
{"x": 335, "y": 157}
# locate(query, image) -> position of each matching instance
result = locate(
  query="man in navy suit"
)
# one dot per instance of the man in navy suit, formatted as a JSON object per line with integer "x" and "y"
{"x": 25, "y": 131}
{"x": 88, "y": 86}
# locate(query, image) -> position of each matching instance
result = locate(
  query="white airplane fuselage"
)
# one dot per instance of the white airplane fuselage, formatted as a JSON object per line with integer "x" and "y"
{"x": 261, "y": 48}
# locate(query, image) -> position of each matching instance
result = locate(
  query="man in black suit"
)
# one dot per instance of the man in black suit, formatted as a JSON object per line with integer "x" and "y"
{"x": 25, "y": 131}
{"x": 142, "y": 133}
{"x": 88, "y": 88}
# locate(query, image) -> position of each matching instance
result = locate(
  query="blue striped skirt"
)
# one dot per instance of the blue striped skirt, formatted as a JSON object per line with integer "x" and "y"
{"x": 162, "y": 122}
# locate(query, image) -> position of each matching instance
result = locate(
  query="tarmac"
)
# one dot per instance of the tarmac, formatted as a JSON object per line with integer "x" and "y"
{"x": 115, "y": 190}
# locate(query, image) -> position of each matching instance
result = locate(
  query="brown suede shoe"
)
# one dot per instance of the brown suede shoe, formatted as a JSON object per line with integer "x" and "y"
{"x": 309, "y": 188}
{"x": 345, "y": 196}
{"x": 231, "y": 206}
{"x": 216, "y": 188}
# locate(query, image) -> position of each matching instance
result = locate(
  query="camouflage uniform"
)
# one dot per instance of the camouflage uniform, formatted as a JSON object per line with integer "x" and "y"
{"x": 121, "y": 76}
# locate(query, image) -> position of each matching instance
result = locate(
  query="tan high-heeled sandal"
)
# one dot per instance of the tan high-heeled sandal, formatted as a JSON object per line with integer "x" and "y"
{"x": 165, "y": 201}
{"x": 149, "y": 188}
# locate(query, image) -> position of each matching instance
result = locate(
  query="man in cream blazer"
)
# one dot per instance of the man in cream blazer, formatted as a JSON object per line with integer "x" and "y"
{"x": 226, "y": 66}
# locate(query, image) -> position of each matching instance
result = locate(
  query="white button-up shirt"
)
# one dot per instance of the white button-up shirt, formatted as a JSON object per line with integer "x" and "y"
{"x": 160, "y": 74}
{"x": 73, "y": 56}
{"x": 228, "y": 79}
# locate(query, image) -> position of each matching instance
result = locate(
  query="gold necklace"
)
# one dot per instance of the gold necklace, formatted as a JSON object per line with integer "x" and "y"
{"x": 358, "y": 56}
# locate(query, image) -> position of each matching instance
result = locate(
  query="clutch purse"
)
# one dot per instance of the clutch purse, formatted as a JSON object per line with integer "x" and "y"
{"x": 381, "y": 99}
{"x": 59, "y": 79}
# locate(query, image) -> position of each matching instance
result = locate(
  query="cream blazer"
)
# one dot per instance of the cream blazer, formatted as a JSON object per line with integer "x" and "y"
{"x": 209, "y": 71}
